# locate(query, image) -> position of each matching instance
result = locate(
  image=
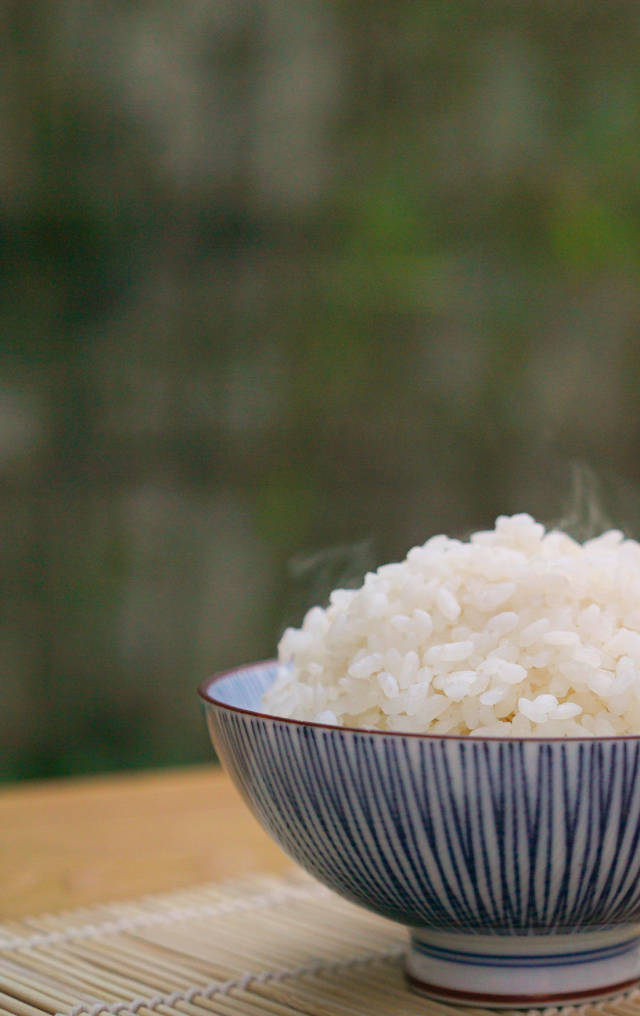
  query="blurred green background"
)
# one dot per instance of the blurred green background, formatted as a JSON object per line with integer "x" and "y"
{"x": 287, "y": 287}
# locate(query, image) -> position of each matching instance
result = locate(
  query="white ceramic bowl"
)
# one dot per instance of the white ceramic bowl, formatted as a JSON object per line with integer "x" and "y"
{"x": 515, "y": 863}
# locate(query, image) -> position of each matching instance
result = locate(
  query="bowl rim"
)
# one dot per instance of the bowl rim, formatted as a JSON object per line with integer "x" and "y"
{"x": 204, "y": 691}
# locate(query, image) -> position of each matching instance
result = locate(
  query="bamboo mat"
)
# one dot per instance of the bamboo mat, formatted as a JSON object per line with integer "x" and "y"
{"x": 252, "y": 947}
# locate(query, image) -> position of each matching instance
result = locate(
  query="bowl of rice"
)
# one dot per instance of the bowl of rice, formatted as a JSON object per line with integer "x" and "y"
{"x": 456, "y": 746}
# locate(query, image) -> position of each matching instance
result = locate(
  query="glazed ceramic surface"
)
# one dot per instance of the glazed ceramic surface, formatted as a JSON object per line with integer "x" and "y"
{"x": 515, "y": 863}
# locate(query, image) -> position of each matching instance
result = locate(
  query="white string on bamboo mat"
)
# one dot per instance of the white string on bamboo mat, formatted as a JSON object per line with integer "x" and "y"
{"x": 178, "y": 913}
{"x": 241, "y": 983}
{"x": 48, "y": 971}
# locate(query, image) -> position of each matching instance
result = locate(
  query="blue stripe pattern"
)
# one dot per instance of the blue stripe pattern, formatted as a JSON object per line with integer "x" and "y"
{"x": 506, "y": 837}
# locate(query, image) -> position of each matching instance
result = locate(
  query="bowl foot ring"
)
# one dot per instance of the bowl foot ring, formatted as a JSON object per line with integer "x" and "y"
{"x": 500, "y": 971}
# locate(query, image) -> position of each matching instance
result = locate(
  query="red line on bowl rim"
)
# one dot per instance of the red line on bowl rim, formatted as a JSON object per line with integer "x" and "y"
{"x": 204, "y": 691}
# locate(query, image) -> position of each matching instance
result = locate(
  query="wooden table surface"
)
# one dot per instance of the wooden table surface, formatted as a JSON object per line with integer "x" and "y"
{"x": 66, "y": 843}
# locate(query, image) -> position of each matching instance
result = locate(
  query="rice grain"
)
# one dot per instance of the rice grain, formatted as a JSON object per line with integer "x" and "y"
{"x": 517, "y": 632}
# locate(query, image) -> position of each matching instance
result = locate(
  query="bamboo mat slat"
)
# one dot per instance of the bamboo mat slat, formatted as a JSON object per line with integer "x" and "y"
{"x": 260, "y": 946}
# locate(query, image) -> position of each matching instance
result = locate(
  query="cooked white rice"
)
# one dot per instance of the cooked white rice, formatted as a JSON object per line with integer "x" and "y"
{"x": 519, "y": 632}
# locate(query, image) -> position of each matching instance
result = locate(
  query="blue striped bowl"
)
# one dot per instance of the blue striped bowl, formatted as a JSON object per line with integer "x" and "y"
{"x": 515, "y": 863}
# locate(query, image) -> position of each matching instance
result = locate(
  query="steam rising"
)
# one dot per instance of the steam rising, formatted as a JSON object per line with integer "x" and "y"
{"x": 314, "y": 576}
{"x": 594, "y": 504}
{"x": 586, "y": 516}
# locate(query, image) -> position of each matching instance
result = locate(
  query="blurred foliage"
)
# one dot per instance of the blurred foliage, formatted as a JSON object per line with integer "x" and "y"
{"x": 280, "y": 277}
